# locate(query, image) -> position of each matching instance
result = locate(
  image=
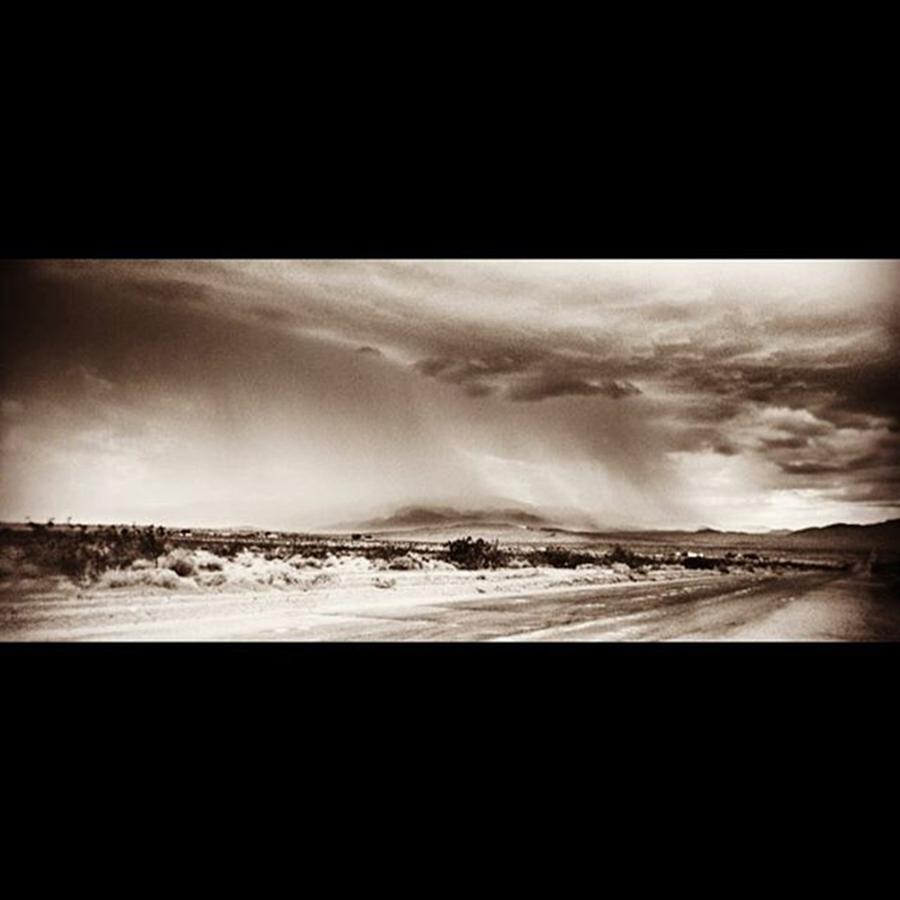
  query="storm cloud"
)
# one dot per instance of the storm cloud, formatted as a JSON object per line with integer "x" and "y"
{"x": 294, "y": 393}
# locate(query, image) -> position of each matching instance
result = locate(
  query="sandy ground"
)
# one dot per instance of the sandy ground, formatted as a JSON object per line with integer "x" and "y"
{"x": 518, "y": 605}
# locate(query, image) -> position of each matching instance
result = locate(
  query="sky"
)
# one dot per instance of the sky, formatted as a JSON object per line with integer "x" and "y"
{"x": 295, "y": 394}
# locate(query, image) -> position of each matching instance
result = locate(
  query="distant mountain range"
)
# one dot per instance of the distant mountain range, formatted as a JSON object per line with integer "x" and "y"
{"x": 444, "y": 518}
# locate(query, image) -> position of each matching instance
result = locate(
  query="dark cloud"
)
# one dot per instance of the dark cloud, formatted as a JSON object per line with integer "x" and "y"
{"x": 808, "y": 468}
{"x": 492, "y": 360}
{"x": 788, "y": 443}
{"x": 825, "y": 459}
{"x": 884, "y": 492}
{"x": 714, "y": 409}
{"x": 528, "y": 374}
{"x": 542, "y": 388}
{"x": 869, "y": 387}
{"x": 724, "y": 448}
{"x": 374, "y": 351}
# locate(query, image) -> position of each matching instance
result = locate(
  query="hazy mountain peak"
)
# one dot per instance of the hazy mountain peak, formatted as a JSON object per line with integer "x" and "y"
{"x": 424, "y": 516}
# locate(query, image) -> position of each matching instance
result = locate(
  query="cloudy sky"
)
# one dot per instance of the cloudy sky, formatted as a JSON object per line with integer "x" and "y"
{"x": 296, "y": 394}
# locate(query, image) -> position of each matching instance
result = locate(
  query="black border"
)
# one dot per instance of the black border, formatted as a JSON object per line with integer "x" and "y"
{"x": 784, "y": 192}
{"x": 703, "y": 222}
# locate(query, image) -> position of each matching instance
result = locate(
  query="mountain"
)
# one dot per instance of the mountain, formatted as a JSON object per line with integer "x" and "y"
{"x": 881, "y": 534}
{"x": 416, "y": 518}
{"x": 425, "y": 516}
{"x": 888, "y": 526}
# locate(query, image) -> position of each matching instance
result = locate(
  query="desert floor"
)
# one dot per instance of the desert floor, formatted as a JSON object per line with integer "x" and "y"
{"x": 501, "y": 605}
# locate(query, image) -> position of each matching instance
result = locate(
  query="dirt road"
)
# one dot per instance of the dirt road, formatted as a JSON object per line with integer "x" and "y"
{"x": 788, "y": 608}
{"x": 809, "y": 606}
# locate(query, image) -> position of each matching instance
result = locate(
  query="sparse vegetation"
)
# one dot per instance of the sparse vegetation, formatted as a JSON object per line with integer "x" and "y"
{"x": 620, "y": 554}
{"x": 86, "y": 554}
{"x": 124, "y": 555}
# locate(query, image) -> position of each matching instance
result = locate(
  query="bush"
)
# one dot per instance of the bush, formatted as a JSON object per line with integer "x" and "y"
{"x": 118, "y": 578}
{"x": 620, "y": 554}
{"x": 180, "y": 562}
{"x": 183, "y": 567}
{"x": 700, "y": 562}
{"x": 386, "y": 551}
{"x": 478, "y": 554}
{"x": 561, "y": 558}
{"x": 214, "y": 579}
{"x": 407, "y": 563}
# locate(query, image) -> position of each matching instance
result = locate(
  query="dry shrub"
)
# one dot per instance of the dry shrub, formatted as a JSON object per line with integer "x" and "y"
{"x": 214, "y": 579}
{"x": 181, "y": 562}
{"x": 561, "y": 558}
{"x": 164, "y": 578}
{"x": 208, "y": 562}
{"x": 700, "y": 562}
{"x": 478, "y": 554}
{"x": 407, "y": 563}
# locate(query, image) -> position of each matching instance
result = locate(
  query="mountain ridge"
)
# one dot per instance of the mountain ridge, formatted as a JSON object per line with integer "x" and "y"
{"x": 419, "y": 517}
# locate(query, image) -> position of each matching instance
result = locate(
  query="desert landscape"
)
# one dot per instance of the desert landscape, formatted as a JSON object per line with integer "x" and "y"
{"x": 434, "y": 581}
{"x": 449, "y": 450}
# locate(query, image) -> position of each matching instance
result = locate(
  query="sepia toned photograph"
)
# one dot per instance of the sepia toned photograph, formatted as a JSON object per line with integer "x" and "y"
{"x": 513, "y": 450}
